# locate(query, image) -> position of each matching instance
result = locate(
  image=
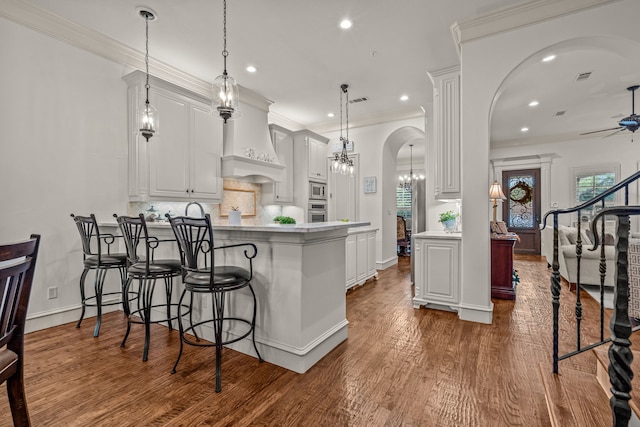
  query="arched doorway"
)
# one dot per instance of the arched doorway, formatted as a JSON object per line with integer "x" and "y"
{"x": 390, "y": 149}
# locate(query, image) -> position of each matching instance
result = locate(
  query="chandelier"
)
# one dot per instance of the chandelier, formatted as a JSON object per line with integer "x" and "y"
{"x": 341, "y": 162}
{"x": 225, "y": 89}
{"x": 406, "y": 181}
{"x": 148, "y": 115}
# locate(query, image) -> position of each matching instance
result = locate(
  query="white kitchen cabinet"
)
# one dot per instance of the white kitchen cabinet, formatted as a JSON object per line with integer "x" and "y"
{"x": 446, "y": 132}
{"x": 182, "y": 161}
{"x": 437, "y": 269}
{"x": 351, "y": 252}
{"x": 281, "y": 193}
{"x": 317, "y": 159}
{"x": 360, "y": 256}
{"x": 309, "y": 155}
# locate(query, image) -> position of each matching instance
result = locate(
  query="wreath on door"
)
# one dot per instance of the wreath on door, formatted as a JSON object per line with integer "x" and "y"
{"x": 521, "y": 193}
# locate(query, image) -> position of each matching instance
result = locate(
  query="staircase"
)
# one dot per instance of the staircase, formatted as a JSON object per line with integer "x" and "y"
{"x": 575, "y": 398}
{"x": 572, "y": 394}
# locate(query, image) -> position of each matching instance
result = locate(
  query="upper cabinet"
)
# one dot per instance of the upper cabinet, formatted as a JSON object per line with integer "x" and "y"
{"x": 182, "y": 161}
{"x": 311, "y": 162}
{"x": 281, "y": 192}
{"x": 446, "y": 131}
{"x": 317, "y": 159}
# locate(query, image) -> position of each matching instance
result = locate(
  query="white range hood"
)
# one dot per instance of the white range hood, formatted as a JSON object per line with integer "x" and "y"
{"x": 248, "y": 153}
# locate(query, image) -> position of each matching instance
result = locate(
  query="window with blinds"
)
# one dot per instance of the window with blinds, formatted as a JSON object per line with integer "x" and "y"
{"x": 403, "y": 202}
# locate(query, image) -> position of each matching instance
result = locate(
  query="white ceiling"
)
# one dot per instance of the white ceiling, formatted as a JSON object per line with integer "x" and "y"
{"x": 303, "y": 56}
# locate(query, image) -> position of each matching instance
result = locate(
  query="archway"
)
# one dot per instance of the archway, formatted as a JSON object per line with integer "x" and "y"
{"x": 390, "y": 149}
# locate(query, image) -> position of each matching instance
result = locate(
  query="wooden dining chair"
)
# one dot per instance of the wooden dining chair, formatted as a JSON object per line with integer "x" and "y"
{"x": 404, "y": 238}
{"x": 17, "y": 264}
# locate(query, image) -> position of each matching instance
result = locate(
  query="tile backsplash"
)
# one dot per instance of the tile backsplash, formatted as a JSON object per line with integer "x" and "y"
{"x": 264, "y": 214}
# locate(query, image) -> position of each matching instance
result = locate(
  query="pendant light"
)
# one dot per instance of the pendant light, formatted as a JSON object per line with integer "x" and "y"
{"x": 341, "y": 163}
{"x": 406, "y": 181}
{"x": 225, "y": 89}
{"x": 148, "y": 115}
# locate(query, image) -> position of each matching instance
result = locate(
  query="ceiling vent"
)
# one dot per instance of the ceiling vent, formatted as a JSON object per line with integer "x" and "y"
{"x": 355, "y": 101}
{"x": 560, "y": 113}
{"x": 583, "y": 76}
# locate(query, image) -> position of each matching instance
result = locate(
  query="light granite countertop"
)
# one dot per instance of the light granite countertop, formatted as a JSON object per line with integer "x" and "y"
{"x": 272, "y": 228}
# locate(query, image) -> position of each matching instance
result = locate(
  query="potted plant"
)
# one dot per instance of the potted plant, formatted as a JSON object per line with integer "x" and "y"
{"x": 448, "y": 220}
{"x": 284, "y": 220}
{"x": 235, "y": 216}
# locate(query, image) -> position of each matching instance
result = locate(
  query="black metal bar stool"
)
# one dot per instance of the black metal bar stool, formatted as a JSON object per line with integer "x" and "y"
{"x": 200, "y": 275}
{"x": 146, "y": 270}
{"x": 96, "y": 259}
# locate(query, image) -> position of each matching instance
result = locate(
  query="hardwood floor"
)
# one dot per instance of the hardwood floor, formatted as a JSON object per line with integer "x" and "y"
{"x": 399, "y": 367}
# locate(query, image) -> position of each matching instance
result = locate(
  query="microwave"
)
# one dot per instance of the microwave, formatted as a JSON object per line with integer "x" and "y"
{"x": 317, "y": 191}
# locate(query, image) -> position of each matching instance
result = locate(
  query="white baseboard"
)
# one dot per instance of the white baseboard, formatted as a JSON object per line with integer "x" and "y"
{"x": 476, "y": 313}
{"x": 383, "y": 265}
{"x": 60, "y": 316}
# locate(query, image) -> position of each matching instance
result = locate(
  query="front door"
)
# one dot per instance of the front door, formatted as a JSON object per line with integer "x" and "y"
{"x": 521, "y": 210}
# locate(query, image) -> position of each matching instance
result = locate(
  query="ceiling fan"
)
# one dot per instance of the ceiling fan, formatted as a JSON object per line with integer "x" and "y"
{"x": 631, "y": 123}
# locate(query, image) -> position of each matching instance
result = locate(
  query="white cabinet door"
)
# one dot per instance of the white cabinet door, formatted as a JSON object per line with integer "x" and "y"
{"x": 446, "y": 119}
{"x": 360, "y": 262}
{"x": 317, "y": 160}
{"x": 437, "y": 272}
{"x": 206, "y": 142}
{"x": 363, "y": 259}
{"x": 371, "y": 253}
{"x": 351, "y": 260}
{"x": 168, "y": 150}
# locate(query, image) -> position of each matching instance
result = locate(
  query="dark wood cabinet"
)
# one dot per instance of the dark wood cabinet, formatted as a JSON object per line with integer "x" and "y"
{"x": 502, "y": 268}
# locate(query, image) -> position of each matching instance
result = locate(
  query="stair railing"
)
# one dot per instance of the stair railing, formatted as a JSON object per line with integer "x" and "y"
{"x": 620, "y": 356}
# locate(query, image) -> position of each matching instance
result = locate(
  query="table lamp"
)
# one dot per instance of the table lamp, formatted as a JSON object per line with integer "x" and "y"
{"x": 495, "y": 194}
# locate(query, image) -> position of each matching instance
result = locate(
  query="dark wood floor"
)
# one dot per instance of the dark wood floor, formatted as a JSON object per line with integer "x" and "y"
{"x": 399, "y": 366}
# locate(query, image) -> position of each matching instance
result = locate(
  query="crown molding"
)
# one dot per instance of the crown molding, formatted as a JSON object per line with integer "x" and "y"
{"x": 518, "y": 16}
{"x": 376, "y": 119}
{"x": 29, "y": 15}
{"x": 285, "y": 122}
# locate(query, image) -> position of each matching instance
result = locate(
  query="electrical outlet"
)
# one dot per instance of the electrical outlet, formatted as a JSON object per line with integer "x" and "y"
{"x": 52, "y": 292}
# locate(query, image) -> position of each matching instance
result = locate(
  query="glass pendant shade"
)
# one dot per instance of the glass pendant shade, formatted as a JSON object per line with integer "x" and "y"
{"x": 225, "y": 97}
{"x": 148, "y": 123}
{"x": 341, "y": 162}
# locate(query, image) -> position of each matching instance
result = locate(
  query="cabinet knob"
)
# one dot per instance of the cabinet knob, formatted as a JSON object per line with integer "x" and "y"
{"x": 192, "y": 190}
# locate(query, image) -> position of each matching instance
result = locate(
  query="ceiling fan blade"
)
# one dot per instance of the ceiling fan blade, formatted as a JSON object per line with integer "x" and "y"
{"x": 613, "y": 133}
{"x": 603, "y": 130}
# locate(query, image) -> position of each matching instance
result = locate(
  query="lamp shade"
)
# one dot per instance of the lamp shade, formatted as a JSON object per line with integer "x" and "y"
{"x": 495, "y": 192}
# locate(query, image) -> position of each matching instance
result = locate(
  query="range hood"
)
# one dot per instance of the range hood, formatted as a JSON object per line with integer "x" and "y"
{"x": 248, "y": 153}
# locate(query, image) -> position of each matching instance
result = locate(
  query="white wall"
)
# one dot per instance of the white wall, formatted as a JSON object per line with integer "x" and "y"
{"x": 486, "y": 63}
{"x": 376, "y": 156}
{"x": 63, "y": 149}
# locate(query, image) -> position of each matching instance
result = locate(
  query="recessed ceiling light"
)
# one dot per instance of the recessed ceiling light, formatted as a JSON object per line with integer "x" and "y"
{"x": 548, "y": 58}
{"x": 404, "y": 98}
{"x": 331, "y": 115}
{"x": 534, "y": 104}
{"x": 524, "y": 129}
{"x": 252, "y": 69}
{"x": 345, "y": 24}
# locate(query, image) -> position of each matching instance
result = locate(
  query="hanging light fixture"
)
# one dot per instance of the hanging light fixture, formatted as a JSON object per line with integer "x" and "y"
{"x": 225, "y": 89}
{"x": 148, "y": 115}
{"x": 406, "y": 181}
{"x": 341, "y": 163}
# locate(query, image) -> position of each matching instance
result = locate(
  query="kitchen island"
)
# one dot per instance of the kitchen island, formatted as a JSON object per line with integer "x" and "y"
{"x": 299, "y": 280}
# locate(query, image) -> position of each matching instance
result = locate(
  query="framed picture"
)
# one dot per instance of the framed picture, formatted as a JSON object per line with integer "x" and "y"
{"x": 369, "y": 184}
